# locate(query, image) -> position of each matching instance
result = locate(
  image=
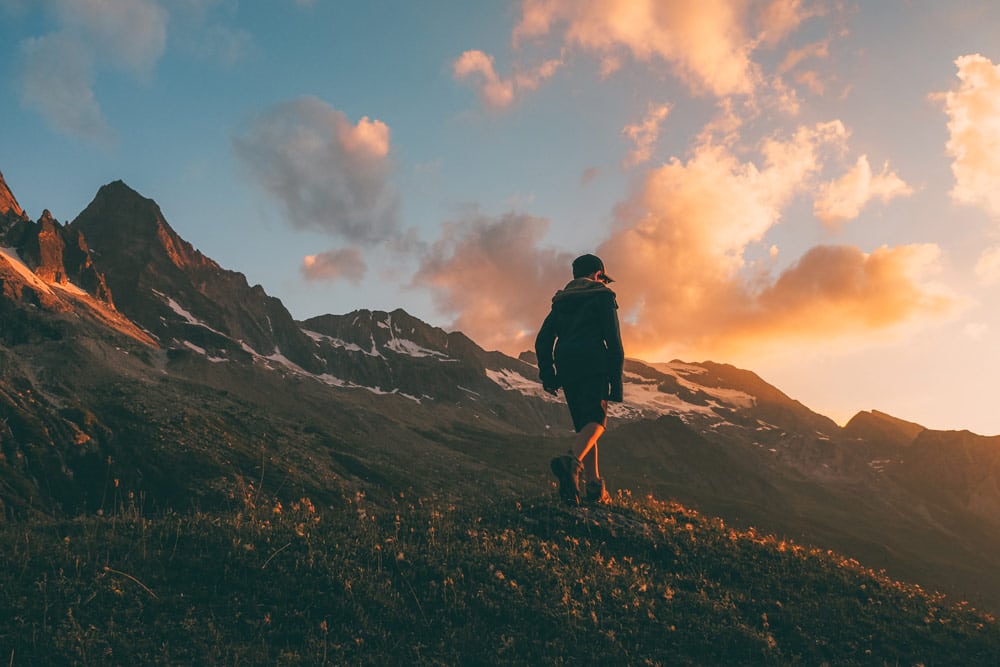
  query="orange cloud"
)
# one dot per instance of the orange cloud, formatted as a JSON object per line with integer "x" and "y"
{"x": 705, "y": 42}
{"x": 494, "y": 91}
{"x": 834, "y": 290}
{"x": 493, "y": 275}
{"x": 685, "y": 284}
{"x": 644, "y": 135}
{"x": 841, "y": 200}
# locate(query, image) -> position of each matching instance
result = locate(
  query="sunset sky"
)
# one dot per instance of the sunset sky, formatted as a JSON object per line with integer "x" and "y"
{"x": 809, "y": 190}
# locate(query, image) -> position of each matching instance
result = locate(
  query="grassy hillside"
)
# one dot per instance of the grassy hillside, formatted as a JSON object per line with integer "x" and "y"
{"x": 445, "y": 581}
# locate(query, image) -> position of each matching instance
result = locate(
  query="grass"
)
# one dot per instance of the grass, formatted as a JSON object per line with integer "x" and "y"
{"x": 441, "y": 581}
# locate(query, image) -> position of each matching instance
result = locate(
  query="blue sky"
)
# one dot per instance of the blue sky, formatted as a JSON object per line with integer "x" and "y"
{"x": 798, "y": 188}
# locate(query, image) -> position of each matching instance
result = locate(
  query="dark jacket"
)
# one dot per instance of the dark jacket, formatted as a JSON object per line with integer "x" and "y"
{"x": 582, "y": 330}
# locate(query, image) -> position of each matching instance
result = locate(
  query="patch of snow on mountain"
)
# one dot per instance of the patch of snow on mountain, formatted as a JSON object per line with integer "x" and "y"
{"x": 188, "y": 317}
{"x": 408, "y": 347}
{"x": 513, "y": 381}
{"x": 728, "y": 397}
{"x": 203, "y": 352}
{"x": 334, "y": 381}
{"x": 336, "y": 342}
{"x": 649, "y": 398}
{"x": 200, "y": 350}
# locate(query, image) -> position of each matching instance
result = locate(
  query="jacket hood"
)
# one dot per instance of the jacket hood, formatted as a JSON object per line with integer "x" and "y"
{"x": 581, "y": 287}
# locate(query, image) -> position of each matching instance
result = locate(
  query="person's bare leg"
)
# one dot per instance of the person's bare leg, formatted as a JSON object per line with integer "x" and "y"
{"x": 585, "y": 448}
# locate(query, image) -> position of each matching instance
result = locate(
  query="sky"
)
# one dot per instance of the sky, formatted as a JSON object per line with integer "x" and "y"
{"x": 805, "y": 189}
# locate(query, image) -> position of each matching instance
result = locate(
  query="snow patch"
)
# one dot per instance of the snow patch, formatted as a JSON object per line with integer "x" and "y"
{"x": 188, "y": 317}
{"x": 511, "y": 380}
{"x": 408, "y": 347}
{"x": 337, "y": 342}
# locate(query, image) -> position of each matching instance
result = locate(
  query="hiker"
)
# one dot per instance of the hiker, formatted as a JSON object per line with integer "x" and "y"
{"x": 583, "y": 328}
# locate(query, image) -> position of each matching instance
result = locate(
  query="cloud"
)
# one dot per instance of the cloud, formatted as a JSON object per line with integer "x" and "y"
{"x": 644, "y": 135}
{"x": 343, "y": 263}
{"x": 495, "y": 277}
{"x": 840, "y": 289}
{"x": 973, "y": 111}
{"x": 705, "y": 42}
{"x": 196, "y": 30}
{"x": 328, "y": 174}
{"x": 494, "y": 91}
{"x": 58, "y": 69}
{"x": 841, "y": 200}
{"x": 57, "y": 81}
{"x": 779, "y": 18}
{"x": 131, "y": 34}
{"x": 681, "y": 246}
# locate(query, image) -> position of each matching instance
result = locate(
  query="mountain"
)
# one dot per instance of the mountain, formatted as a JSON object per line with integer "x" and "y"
{"x": 130, "y": 363}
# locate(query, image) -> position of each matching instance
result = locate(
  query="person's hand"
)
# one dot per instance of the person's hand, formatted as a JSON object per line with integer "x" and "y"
{"x": 550, "y": 382}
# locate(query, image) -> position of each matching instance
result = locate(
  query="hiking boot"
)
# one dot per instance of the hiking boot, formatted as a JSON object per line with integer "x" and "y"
{"x": 567, "y": 470}
{"x": 596, "y": 493}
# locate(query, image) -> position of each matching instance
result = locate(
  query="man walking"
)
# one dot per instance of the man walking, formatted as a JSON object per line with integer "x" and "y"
{"x": 579, "y": 349}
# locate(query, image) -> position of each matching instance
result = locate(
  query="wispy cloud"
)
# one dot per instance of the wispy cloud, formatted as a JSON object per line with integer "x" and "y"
{"x": 842, "y": 200}
{"x": 328, "y": 173}
{"x": 495, "y": 92}
{"x": 644, "y": 135}
{"x": 58, "y": 69}
{"x": 57, "y": 81}
{"x": 777, "y": 19}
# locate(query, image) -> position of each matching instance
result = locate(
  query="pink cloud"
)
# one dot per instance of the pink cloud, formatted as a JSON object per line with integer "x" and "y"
{"x": 495, "y": 277}
{"x": 644, "y": 135}
{"x": 494, "y": 91}
{"x": 343, "y": 263}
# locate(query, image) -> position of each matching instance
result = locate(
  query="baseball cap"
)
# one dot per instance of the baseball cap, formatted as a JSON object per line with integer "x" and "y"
{"x": 584, "y": 265}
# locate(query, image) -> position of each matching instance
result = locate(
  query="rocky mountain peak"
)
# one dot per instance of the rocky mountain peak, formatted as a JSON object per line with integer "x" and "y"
{"x": 8, "y": 203}
{"x": 120, "y": 219}
{"x": 879, "y": 427}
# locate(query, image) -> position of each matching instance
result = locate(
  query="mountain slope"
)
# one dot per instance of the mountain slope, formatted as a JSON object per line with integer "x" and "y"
{"x": 185, "y": 385}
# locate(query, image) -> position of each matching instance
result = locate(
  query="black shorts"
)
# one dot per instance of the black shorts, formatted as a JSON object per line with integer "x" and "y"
{"x": 587, "y": 401}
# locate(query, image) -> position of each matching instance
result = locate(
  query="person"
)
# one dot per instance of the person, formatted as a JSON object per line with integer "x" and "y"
{"x": 579, "y": 350}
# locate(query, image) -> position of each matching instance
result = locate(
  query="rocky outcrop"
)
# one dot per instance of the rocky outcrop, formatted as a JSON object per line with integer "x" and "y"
{"x": 879, "y": 428}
